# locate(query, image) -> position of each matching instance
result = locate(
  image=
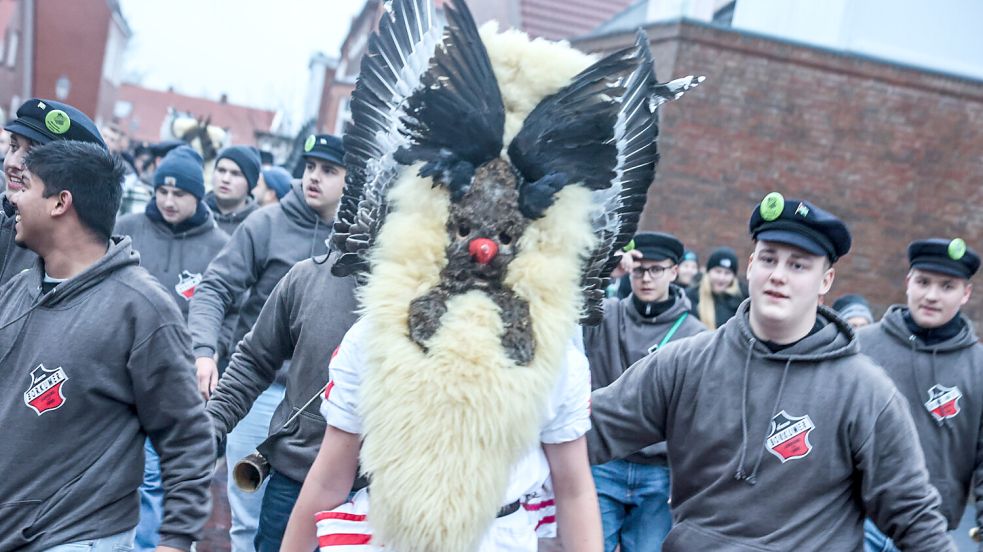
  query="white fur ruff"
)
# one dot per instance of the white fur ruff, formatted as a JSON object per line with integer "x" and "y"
{"x": 442, "y": 429}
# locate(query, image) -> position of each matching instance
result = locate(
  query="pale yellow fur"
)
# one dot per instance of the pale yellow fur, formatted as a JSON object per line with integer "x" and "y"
{"x": 442, "y": 429}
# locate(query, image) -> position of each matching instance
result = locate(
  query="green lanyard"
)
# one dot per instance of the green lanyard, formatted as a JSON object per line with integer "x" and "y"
{"x": 672, "y": 330}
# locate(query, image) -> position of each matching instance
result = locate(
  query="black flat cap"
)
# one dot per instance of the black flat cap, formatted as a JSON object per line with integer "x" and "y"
{"x": 657, "y": 246}
{"x": 44, "y": 121}
{"x": 952, "y": 257}
{"x": 325, "y": 146}
{"x": 801, "y": 224}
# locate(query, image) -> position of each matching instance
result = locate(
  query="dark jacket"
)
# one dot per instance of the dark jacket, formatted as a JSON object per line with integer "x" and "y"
{"x": 944, "y": 387}
{"x": 724, "y": 305}
{"x": 89, "y": 370}
{"x": 624, "y": 337}
{"x": 303, "y": 321}
{"x": 775, "y": 451}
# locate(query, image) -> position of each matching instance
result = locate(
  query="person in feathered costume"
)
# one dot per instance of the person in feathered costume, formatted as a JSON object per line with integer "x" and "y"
{"x": 491, "y": 181}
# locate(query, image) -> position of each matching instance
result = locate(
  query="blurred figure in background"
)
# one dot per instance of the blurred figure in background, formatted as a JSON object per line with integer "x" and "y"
{"x": 720, "y": 292}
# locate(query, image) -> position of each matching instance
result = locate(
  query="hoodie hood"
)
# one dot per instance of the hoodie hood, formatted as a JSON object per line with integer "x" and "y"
{"x": 119, "y": 255}
{"x": 894, "y": 324}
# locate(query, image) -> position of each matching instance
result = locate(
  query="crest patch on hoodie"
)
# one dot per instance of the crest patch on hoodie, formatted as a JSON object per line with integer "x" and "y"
{"x": 943, "y": 402}
{"x": 187, "y": 284}
{"x": 45, "y": 391}
{"x": 788, "y": 437}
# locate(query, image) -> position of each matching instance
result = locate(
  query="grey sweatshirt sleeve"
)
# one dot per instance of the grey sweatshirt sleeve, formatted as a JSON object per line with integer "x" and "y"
{"x": 228, "y": 278}
{"x": 630, "y": 413}
{"x": 173, "y": 414}
{"x": 978, "y": 480}
{"x": 895, "y": 488}
{"x": 254, "y": 365}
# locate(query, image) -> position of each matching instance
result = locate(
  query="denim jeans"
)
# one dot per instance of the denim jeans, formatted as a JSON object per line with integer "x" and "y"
{"x": 151, "y": 502}
{"x": 247, "y": 435}
{"x": 278, "y": 501}
{"x": 634, "y": 500}
{"x": 875, "y": 541}
{"x": 122, "y": 542}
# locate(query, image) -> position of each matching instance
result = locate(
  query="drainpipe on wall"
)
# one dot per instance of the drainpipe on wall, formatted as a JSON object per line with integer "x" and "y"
{"x": 28, "y": 50}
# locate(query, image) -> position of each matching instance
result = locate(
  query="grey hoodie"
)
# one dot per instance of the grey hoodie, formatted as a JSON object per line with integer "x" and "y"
{"x": 88, "y": 371}
{"x": 624, "y": 337}
{"x": 774, "y": 451}
{"x": 228, "y": 222}
{"x": 946, "y": 378}
{"x": 13, "y": 258}
{"x": 259, "y": 254}
{"x": 305, "y": 318}
{"x": 178, "y": 261}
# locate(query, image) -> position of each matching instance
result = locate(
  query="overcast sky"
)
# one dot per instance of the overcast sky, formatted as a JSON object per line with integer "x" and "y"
{"x": 256, "y": 51}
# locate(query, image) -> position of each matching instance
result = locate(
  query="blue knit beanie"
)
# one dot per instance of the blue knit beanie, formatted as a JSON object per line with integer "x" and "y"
{"x": 182, "y": 168}
{"x": 247, "y": 157}
{"x": 278, "y": 180}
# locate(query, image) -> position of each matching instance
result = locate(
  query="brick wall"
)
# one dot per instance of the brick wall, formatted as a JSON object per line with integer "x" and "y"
{"x": 896, "y": 152}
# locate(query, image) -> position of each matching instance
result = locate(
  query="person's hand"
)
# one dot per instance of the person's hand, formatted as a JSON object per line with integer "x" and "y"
{"x": 207, "y": 370}
{"x": 627, "y": 263}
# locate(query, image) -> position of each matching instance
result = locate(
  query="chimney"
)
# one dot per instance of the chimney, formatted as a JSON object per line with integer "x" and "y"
{"x": 224, "y": 98}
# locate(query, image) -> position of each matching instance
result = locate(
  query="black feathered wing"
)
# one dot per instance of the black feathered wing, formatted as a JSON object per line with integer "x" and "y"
{"x": 392, "y": 70}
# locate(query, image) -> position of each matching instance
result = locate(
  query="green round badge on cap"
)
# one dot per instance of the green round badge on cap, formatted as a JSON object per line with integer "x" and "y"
{"x": 309, "y": 144}
{"x": 957, "y": 248}
{"x": 57, "y": 121}
{"x": 629, "y": 246}
{"x": 772, "y": 206}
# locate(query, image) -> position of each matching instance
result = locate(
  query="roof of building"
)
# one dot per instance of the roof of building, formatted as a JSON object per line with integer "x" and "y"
{"x": 149, "y": 109}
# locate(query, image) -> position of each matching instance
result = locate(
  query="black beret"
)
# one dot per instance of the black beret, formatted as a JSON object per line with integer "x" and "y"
{"x": 657, "y": 246}
{"x": 44, "y": 121}
{"x": 952, "y": 257}
{"x": 801, "y": 224}
{"x": 326, "y": 147}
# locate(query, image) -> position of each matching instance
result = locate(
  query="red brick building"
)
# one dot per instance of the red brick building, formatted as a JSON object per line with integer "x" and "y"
{"x": 70, "y": 50}
{"x": 143, "y": 112}
{"x": 892, "y": 149}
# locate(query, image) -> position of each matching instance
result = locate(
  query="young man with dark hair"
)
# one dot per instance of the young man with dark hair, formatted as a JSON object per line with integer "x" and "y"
{"x": 176, "y": 238}
{"x": 38, "y": 122}
{"x": 933, "y": 354}
{"x": 259, "y": 254}
{"x": 96, "y": 358}
{"x": 780, "y": 434}
{"x": 634, "y": 492}
{"x": 235, "y": 175}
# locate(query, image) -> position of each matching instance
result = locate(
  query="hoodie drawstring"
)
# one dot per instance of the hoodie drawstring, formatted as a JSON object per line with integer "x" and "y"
{"x": 317, "y": 222}
{"x": 752, "y": 477}
{"x": 739, "y": 474}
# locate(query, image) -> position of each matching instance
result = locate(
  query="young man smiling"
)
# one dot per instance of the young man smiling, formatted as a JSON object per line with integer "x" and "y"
{"x": 95, "y": 359}
{"x": 38, "y": 122}
{"x": 781, "y": 436}
{"x": 634, "y": 492}
{"x": 933, "y": 354}
{"x": 257, "y": 257}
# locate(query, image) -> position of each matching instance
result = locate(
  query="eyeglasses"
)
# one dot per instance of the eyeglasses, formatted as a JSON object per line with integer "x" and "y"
{"x": 654, "y": 271}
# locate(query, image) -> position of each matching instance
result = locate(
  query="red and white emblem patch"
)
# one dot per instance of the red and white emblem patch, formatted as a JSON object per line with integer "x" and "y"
{"x": 943, "y": 402}
{"x": 788, "y": 438}
{"x": 45, "y": 394}
{"x": 187, "y": 284}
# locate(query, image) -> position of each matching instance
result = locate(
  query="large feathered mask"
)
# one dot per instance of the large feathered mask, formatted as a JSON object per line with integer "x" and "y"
{"x": 491, "y": 180}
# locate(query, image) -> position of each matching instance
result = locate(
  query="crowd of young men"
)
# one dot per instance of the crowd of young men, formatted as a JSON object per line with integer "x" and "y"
{"x": 785, "y": 428}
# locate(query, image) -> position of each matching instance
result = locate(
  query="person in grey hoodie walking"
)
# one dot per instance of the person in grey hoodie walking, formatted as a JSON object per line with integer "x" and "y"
{"x": 258, "y": 255}
{"x": 29, "y": 129}
{"x": 234, "y": 177}
{"x": 781, "y": 436}
{"x": 931, "y": 351}
{"x": 634, "y": 492}
{"x": 176, "y": 237}
{"x": 303, "y": 322}
{"x": 94, "y": 358}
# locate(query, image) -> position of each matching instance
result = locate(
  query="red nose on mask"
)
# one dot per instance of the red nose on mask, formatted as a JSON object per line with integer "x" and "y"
{"x": 483, "y": 250}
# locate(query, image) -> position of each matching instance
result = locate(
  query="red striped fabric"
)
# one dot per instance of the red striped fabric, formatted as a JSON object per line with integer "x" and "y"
{"x": 532, "y": 507}
{"x": 321, "y": 516}
{"x": 546, "y": 520}
{"x": 342, "y": 539}
{"x": 327, "y": 390}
